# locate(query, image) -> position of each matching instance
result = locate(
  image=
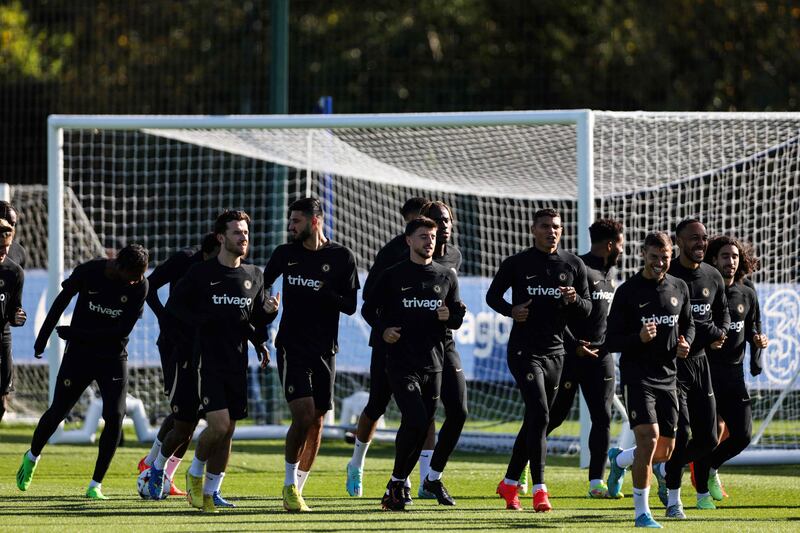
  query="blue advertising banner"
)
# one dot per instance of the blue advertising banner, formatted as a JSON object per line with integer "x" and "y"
{"x": 481, "y": 340}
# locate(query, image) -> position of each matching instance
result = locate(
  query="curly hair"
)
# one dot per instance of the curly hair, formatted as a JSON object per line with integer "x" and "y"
{"x": 748, "y": 262}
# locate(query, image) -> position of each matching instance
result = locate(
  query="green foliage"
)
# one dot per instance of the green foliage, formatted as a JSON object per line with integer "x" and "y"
{"x": 28, "y": 53}
{"x": 761, "y": 498}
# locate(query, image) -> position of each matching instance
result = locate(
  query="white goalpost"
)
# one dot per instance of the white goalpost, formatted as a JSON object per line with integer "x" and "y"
{"x": 160, "y": 180}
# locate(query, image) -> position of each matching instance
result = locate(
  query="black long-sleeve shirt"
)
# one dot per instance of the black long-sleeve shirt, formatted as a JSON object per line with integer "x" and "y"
{"x": 407, "y": 296}
{"x": 638, "y": 301}
{"x": 12, "y": 278}
{"x": 226, "y": 307}
{"x": 105, "y": 312}
{"x": 535, "y": 275}
{"x": 393, "y": 252}
{"x": 709, "y": 304}
{"x": 170, "y": 272}
{"x": 743, "y": 306}
{"x": 317, "y": 286}
{"x": 602, "y": 280}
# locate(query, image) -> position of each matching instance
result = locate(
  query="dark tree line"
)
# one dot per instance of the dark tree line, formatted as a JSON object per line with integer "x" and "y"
{"x": 213, "y": 57}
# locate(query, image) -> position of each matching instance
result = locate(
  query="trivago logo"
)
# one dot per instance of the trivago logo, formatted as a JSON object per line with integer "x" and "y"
{"x": 737, "y": 326}
{"x": 300, "y": 281}
{"x": 239, "y": 301}
{"x": 416, "y": 303}
{"x": 701, "y": 309}
{"x": 603, "y": 295}
{"x": 113, "y": 313}
{"x": 484, "y": 330}
{"x": 553, "y": 292}
{"x": 668, "y": 320}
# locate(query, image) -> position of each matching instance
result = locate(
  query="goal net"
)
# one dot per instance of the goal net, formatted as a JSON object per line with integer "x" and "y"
{"x": 160, "y": 181}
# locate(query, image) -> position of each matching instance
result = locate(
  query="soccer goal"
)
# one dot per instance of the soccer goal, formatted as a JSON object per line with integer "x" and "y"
{"x": 160, "y": 181}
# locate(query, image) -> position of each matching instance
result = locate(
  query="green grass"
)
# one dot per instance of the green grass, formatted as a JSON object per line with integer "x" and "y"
{"x": 762, "y": 498}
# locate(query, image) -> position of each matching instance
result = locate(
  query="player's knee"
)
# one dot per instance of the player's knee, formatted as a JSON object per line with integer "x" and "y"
{"x": 113, "y": 419}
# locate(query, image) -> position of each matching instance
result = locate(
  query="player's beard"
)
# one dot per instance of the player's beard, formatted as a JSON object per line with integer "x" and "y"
{"x": 302, "y": 235}
{"x": 233, "y": 248}
{"x": 613, "y": 258}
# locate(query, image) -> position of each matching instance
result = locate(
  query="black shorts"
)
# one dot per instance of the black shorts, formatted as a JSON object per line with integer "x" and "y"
{"x": 183, "y": 391}
{"x": 222, "y": 388}
{"x": 651, "y": 405}
{"x": 380, "y": 390}
{"x": 304, "y": 375}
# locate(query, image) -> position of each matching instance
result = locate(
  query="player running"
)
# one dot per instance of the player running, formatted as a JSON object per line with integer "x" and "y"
{"x": 651, "y": 324}
{"x": 319, "y": 282}
{"x": 697, "y": 406}
{"x": 380, "y": 392}
{"x": 734, "y": 262}
{"x": 225, "y": 301}
{"x": 587, "y": 363}
{"x": 454, "y": 385}
{"x": 111, "y": 294}
{"x": 180, "y": 376}
{"x": 548, "y": 286}
{"x": 413, "y": 304}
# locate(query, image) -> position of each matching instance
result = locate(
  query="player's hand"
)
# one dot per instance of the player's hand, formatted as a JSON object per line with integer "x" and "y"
{"x": 520, "y": 312}
{"x": 760, "y": 340}
{"x": 19, "y": 317}
{"x": 648, "y": 332}
{"x": 717, "y": 344}
{"x": 569, "y": 294}
{"x": 683, "y": 348}
{"x": 583, "y": 350}
{"x": 391, "y": 335}
{"x": 262, "y": 352}
{"x": 273, "y": 303}
{"x": 443, "y": 313}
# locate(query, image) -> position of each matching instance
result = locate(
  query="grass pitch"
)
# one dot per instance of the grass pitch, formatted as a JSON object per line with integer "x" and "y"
{"x": 762, "y": 498}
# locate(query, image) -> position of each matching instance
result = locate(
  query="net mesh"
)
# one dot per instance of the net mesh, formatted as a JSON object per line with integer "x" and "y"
{"x": 738, "y": 173}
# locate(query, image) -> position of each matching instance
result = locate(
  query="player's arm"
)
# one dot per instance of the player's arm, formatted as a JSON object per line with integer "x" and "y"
{"x": 755, "y": 338}
{"x": 345, "y": 295}
{"x": 161, "y": 275}
{"x": 456, "y": 308}
{"x": 687, "y": 325}
{"x": 374, "y": 302}
{"x": 69, "y": 288}
{"x": 15, "y": 315}
{"x": 274, "y": 267}
{"x": 131, "y": 312}
{"x": 264, "y": 312}
{"x": 720, "y": 310}
{"x": 383, "y": 260}
{"x": 622, "y": 333}
{"x": 500, "y": 284}
{"x": 583, "y": 300}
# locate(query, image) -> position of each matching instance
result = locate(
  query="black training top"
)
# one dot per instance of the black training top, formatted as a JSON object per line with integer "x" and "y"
{"x": 709, "y": 304}
{"x": 18, "y": 254}
{"x": 392, "y": 253}
{"x": 602, "y": 284}
{"x": 227, "y": 307}
{"x": 317, "y": 286}
{"x": 535, "y": 275}
{"x": 638, "y": 301}
{"x": 12, "y": 278}
{"x": 407, "y": 296}
{"x": 105, "y": 312}
{"x": 171, "y": 271}
{"x": 743, "y": 306}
